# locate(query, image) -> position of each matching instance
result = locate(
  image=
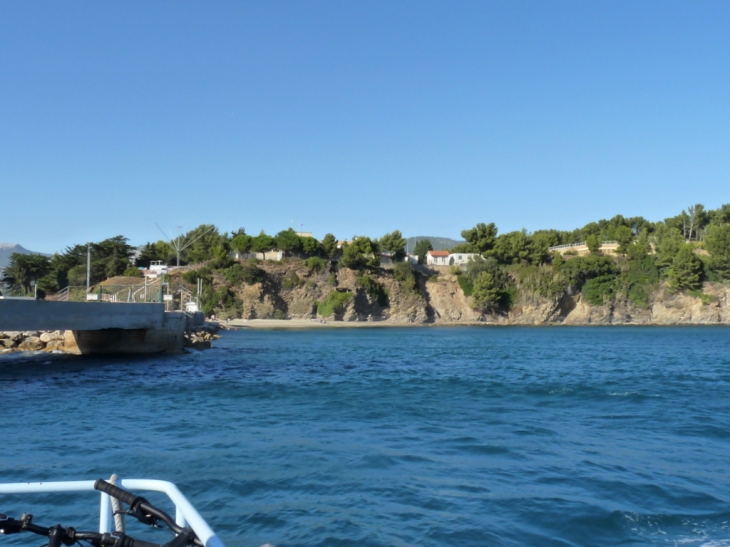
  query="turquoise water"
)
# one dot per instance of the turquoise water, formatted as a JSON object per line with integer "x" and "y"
{"x": 396, "y": 437}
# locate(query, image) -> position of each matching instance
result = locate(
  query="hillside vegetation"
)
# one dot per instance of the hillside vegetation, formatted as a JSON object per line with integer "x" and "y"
{"x": 671, "y": 271}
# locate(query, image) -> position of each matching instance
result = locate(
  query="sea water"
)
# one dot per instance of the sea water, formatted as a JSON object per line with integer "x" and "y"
{"x": 394, "y": 437}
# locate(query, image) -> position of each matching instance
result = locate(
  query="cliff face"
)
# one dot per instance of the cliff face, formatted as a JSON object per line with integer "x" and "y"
{"x": 291, "y": 289}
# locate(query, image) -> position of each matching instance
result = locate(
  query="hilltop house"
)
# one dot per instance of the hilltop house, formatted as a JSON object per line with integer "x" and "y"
{"x": 462, "y": 258}
{"x": 437, "y": 258}
{"x": 445, "y": 258}
{"x": 269, "y": 255}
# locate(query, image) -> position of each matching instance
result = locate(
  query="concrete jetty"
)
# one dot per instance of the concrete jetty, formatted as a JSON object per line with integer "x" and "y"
{"x": 96, "y": 328}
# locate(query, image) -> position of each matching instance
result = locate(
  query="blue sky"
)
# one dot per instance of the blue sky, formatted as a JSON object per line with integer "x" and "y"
{"x": 356, "y": 117}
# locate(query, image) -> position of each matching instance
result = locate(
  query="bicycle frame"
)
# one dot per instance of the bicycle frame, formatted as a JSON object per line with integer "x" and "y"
{"x": 185, "y": 513}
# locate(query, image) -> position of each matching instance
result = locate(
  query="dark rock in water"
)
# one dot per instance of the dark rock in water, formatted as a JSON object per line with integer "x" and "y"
{"x": 201, "y": 338}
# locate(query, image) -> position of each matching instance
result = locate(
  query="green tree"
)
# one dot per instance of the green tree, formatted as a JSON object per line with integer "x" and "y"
{"x": 557, "y": 260}
{"x": 637, "y": 251}
{"x": 242, "y": 243}
{"x": 152, "y": 252}
{"x": 361, "y": 253}
{"x": 395, "y": 244}
{"x": 485, "y": 293}
{"x": 311, "y": 247}
{"x": 329, "y": 242}
{"x": 24, "y": 270}
{"x": 720, "y": 215}
{"x": 263, "y": 243}
{"x": 594, "y": 243}
{"x": 482, "y": 237}
{"x": 540, "y": 242}
{"x": 201, "y": 242}
{"x": 288, "y": 241}
{"x": 717, "y": 243}
{"x": 667, "y": 243}
{"x": 686, "y": 270}
{"x": 512, "y": 248}
{"x": 624, "y": 236}
{"x": 422, "y": 247}
{"x": 463, "y": 248}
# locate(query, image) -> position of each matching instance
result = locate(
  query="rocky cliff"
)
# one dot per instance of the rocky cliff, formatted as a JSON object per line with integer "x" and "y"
{"x": 291, "y": 289}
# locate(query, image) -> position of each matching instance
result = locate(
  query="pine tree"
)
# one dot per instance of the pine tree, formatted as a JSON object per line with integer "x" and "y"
{"x": 685, "y": 272}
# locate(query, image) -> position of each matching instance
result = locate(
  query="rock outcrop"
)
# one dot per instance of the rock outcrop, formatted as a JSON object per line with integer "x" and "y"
{"x": 292, "y": 290}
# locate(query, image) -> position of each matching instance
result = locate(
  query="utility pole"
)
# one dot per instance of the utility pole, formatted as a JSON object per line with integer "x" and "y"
{"x": 88, "y": 267}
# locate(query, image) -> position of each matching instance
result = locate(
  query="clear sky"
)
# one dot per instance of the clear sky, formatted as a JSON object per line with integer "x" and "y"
{"x": 356, "y": 117}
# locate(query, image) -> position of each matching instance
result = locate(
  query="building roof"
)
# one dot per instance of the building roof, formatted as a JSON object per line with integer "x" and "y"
{"x": 438, "y": 253}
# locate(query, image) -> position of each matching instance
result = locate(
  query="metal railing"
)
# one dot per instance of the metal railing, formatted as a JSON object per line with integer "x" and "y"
{"x": 581, "y": 244}
{"x": 185, "y": 513}
{"x": 140, "y": 293}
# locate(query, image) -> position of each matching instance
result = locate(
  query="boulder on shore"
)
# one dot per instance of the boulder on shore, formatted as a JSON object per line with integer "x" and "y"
{"x": 31, "y": 343}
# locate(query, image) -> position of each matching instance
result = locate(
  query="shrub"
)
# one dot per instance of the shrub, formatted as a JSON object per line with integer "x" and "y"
{"x": 279, "y": 314}
{"x": 599, "y": 290}
{"x": 220, "y": 263}
{"x": 640, "y": 296}
{"x": 403, "y": 274}
{"x": 467, "y": 284}
{"x": 223, "y": 302}
{"x": 704, "y": 297}
{"x": 579, "y": 270}
{"x": 546, "y": 281}
{"x": 316, "y": 264}
{"x": 641, "y": 279}
{"x": 191, "y": 277}
{"x": 291, "y": 281}
{"x": 373, "y": 289}
{"x": 132, "y": 272}
{"x": 490, "y": 265}
{"x": 334, "y": 303}
{"x": 332, "y": 279}
{"x": 249, "y": 273}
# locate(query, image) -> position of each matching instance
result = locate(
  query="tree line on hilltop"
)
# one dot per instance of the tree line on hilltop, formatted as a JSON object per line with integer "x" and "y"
{"x": 683, "y": 250}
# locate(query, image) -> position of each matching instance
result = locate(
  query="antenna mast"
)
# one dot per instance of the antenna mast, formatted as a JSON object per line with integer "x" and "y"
{"x": 179, "y": 244}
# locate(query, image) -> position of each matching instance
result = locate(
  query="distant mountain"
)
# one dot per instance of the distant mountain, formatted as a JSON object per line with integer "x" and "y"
{"x": 438, "y": 243}
{"x": 7, "y": 249}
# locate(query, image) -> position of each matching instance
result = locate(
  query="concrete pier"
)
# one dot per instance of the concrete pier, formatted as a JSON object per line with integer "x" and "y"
{"x": 93, "y": 328}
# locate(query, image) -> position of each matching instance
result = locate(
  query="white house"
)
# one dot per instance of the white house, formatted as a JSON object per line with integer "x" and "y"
{"x": 268, "y": 255}
{"x": 437, "y": 258}
{"x": 463, "y": 258}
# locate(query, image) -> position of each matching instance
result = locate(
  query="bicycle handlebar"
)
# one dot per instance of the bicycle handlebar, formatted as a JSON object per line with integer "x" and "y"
{"x": 114, "y": 491}
{"x": 140, "y": 508}
{"x": 58, "y": 535}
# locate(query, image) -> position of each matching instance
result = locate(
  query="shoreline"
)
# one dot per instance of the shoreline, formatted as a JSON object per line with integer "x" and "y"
{"x": 303, "y": 324}
{"x": 297, "y": 324}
